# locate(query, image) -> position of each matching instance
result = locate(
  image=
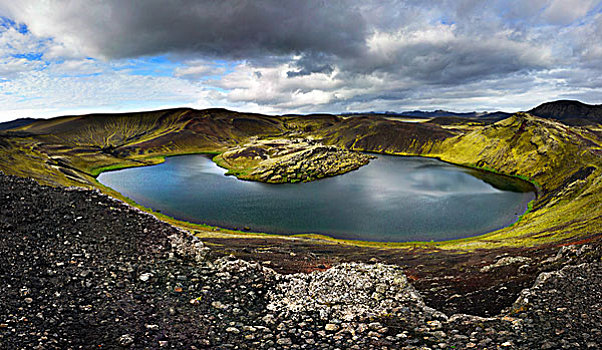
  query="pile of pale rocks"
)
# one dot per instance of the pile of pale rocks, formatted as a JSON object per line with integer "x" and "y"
{"x": 372, "y": 306}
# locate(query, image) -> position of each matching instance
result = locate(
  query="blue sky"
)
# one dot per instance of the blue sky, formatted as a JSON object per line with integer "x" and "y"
{"x": 286, "y": 56}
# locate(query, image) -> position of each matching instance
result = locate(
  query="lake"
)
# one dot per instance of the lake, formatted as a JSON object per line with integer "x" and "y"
{"x": 394, "y": 199}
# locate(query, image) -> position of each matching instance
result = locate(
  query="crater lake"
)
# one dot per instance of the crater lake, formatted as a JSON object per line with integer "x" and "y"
{"x": 392, "y": 199}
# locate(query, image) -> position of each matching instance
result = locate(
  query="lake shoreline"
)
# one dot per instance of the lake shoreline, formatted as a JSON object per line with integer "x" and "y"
{"x": 241, "y": 228}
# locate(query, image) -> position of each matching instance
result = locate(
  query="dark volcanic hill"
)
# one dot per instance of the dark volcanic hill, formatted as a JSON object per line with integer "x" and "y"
{"x": 17, "y": 123}
{"x": 569, "y": 112}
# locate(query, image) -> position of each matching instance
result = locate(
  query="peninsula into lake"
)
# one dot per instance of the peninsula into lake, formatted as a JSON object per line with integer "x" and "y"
{"x": 292, "y": 159}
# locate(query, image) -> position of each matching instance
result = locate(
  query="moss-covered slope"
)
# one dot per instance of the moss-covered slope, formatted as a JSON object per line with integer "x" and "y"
{"x": 94, "y": 143}
{"x": 564, "y": 162}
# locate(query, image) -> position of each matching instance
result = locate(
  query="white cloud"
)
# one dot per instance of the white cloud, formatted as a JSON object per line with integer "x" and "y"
{"x": 14, "y": 42}
{"x": 11, "y": 67}
{"x": 78, "y": 67}
{"x": 44, "y": 94}
{"x": 13, "y": 45}
{"x": 275, "y": 88}
{"x": 565, "y": 12}
{"x": 196, "y": 70}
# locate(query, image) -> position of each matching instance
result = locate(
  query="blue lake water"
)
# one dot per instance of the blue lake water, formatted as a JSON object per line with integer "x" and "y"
{"x": 393, "y": 199}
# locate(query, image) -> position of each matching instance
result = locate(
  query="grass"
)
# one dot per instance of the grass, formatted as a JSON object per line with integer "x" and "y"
{"x": 97, "y": 171}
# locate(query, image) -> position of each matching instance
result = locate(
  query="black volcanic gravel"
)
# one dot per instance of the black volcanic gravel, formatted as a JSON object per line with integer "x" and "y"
{"x": 81, "y": 270}
{"x": 71, "y": 265}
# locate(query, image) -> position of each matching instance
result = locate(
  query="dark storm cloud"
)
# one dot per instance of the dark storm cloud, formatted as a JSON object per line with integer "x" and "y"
{"x": 312, "y": 63}
{"x": 313, "y": 36}
{"x": 460, "y": 60}
{"x": 234, "y": 29}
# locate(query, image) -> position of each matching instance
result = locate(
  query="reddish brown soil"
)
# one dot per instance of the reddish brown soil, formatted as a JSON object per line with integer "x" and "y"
{"x": 450, "y": 281}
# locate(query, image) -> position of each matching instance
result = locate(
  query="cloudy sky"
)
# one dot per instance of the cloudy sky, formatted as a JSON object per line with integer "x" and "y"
{"x": 284, "y": 56}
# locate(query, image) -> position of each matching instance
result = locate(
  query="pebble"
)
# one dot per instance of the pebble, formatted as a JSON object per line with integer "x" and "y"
{"x": 284, "y": 341}
{"x": 232, "y": 330}
{"x": 145, "y": 276}
{"x": 126, "y": 340}
{"x": 331, "y": 327}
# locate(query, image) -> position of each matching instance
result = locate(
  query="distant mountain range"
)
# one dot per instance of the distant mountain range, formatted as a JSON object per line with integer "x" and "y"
{"x": 440, "y": 113}
{"x": 570, "y": 112}
{"x": 567, "y": 111}
{"x": 443, "y": 113}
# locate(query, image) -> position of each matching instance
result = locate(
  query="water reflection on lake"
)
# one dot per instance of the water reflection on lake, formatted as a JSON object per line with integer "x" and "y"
{"x": 391, "y": 199}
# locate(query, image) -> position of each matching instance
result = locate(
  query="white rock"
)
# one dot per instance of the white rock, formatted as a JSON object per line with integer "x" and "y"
{"x": 145, "y": 276}
{"x": 331, "y": 327}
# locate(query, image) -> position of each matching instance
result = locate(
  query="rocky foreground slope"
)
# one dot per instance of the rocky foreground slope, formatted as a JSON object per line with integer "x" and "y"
{"x": 79, "y": 269}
